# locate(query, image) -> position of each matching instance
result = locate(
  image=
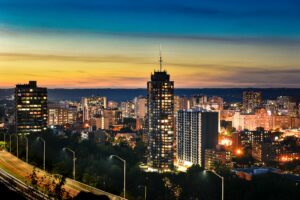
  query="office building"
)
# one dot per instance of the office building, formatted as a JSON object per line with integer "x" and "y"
{"x": 31, "y": 112}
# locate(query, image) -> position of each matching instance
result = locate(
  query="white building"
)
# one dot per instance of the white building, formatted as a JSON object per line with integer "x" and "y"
{"x": 196, "y": 130}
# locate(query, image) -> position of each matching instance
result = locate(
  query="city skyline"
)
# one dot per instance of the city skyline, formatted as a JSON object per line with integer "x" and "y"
{"x": 139, "y": 99}
{"x": 116, "y": 45}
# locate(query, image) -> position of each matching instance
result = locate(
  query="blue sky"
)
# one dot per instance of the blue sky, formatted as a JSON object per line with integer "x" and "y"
{"x": 280, "y": 18}
{"x": 242, "y": 35}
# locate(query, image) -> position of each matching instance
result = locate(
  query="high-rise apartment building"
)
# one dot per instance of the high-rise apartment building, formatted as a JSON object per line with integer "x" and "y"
{"x": 160, "y": 121}
{"x": 140, "y": 106}
{"x": 251, "y": 100}
{"x": 128, "y": 109}
{"x": 31, "y": 112}
{"x": 92, "y": 107}
{"x": 196, "y": 131}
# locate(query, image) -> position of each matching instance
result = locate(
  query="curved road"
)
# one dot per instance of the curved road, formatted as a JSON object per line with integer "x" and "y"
{"x": 21, "y": 170}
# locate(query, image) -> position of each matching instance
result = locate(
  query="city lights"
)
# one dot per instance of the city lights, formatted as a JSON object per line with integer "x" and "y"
{"x": 89, "y": 109}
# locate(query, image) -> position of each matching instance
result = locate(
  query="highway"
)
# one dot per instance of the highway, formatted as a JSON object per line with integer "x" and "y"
{"x": 13, "y": 168}
{"x": 18, "y": 186}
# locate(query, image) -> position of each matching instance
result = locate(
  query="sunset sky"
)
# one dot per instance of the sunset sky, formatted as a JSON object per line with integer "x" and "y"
{"x": 115, "y": 43}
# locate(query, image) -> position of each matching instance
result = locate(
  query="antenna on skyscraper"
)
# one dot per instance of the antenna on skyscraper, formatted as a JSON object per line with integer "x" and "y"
{"x": 160, "y": 58}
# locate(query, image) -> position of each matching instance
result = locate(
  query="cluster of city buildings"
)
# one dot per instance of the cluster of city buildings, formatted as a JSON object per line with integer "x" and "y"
{"x": 179, "y": 131}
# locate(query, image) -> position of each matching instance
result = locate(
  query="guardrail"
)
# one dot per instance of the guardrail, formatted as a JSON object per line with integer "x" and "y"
{"x": 88, "y": 188}
{"x": 21, "y": 187}
{"x": 96, "y": 190}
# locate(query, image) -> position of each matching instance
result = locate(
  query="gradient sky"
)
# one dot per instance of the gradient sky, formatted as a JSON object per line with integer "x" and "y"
{"x": 115, "y": 43}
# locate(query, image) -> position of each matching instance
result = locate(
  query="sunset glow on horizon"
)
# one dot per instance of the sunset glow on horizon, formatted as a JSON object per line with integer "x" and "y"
{"x": 115, "y": 45}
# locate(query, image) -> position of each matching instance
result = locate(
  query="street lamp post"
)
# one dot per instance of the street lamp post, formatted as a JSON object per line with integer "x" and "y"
{"x": 222, "y": 178}
{"x": 10, "y": 143}
{"x": 124, "y": 161}
{"x": 145, "y": 191}
{"x": 17, "y": 145}
{"x": 26, "y": 148}
{"x": 44, "y": 161}
{"x": 4, "y": 139}
{"x": 74, "y": 159}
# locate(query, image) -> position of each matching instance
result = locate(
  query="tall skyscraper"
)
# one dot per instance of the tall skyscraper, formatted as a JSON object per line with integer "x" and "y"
{"x": 31, "y": 108}
{"x": 196, "y": 131}
{"x": 251, "y": 100}
{"x": 160, "y": 121}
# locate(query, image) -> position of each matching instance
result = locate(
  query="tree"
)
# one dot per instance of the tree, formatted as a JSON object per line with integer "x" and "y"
{"x": 33, "y": 178}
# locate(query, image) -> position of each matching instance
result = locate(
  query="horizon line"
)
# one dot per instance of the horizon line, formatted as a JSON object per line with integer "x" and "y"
{"x": 188, "y": 88}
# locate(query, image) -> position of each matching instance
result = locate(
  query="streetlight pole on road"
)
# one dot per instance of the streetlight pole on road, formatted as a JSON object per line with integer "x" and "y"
{"x": 44, "y": 160}
{"x": 74, "y": 159}
{"x": 124, "y": 161}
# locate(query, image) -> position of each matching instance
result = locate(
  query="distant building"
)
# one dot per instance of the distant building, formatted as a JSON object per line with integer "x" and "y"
{"x": 127, "y": 109}
{"x": 31, "y": 112}
{"x": 140, "y": 107}
{"x": 160, "y": 121}
{"x": 109, "y": 118}
{"x": 251, "y": 121}
{"x": 198, "y": 100}
{"x": 197, "y": 130}
{"x": 263, "y": 152}
{"x": 112, "y": 104}
{"x": 217, "y": 155}
{"x": 216, "y": 103}
{"x": 282, "y": 122}
{"x": 92, "y": 107}
{"x": 251, "y": 100}
{"x": 249, "y": 138}
{"x": 287, "y": 105}
{"x": 61, "y": 116}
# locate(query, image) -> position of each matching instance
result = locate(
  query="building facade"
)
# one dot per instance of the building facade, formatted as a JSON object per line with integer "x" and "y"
{"x": 196, "y": 131}
{"x": 92, "y": 107}
{"x": 160, "y": 111}
{"x": 215, "y": 156}
{"x": 251, "y": 100}
{"x": 31, "y": 113}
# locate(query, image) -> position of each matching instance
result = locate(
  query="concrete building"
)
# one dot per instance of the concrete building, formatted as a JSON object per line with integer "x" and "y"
{"x": 196, "y": 131}
{"x": 251, "y": 100}
{"x": 215, "y": 156}
{"x": 92, "y": 107}
{"x": 160, "y": 111}
{"x": 31, "y": 112}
